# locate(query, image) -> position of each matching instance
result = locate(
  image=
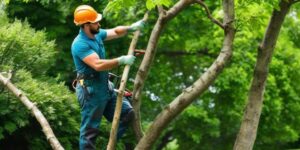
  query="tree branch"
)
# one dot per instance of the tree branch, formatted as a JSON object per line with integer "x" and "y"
{"x": 115, "y": 124}
{"x": 209, "y": 14}
{"x": 35, "y": 111}
{"x": 193, "y": 92}
{"x": 164, "y": 17}
{"x": 160, "y": 10}
{"x": 177, "y": 8}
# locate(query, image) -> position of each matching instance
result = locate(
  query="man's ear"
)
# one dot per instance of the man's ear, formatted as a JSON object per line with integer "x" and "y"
{"x": 83, "y": 25}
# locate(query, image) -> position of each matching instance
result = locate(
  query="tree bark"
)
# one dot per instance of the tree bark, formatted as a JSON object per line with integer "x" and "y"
{"x": 144, "y": 68}
{"x": 209, "y": 14}
{"x": 35, "y": 111}
{"x": 248, "y": 130}
{"x": 115, "y": 125}
{"x": 194, "y": 91}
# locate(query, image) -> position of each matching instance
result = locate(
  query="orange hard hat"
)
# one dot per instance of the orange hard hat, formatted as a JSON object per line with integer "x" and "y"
{"x": 84, "y": 14}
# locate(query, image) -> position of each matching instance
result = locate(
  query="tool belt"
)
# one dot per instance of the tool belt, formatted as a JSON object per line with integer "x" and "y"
{"x": 87, "y": 76}
{"x": 81, "y": 77}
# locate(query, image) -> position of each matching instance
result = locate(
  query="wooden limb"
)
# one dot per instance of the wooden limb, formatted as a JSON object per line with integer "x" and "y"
{"x": 209, "y": 14}
{"x": 164, "y": 17}
{"x": 34, "y": 110}
{"x": 177, "y": 8}
{"x": 113, "y": 134}
{"x": 160, "y": 10}
{"x": 194, "y": 91}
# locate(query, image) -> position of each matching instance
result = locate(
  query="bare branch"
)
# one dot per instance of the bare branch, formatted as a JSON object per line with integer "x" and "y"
{"x": 35, "y": 111}
{"x": 160, "y": 10}
{"x": 115, "y": 124}
{"x": 177, "y": 8}
{"x": 164, "y": 17}
{"x": 191, "y": 93}
{"x": 209, "y": 14}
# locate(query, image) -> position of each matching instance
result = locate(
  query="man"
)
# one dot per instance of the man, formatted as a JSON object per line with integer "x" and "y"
{"x": 92, "y": 89}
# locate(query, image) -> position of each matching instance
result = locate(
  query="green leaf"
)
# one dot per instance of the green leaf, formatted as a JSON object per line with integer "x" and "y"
{"x": 150, "y": 4}
{"x": 10, "y": 127}
{"x": 166, "y": 3}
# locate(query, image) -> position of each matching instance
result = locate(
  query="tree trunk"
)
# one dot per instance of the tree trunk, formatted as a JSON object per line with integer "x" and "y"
{"x": 192, "y": 92}
{"x": 35, "y": 111}
{"x": 247, "y": 134}
{"x": 144, "y": 68}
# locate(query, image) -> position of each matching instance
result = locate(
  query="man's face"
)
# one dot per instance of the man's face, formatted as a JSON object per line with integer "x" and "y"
{"x": 94, "y": 27}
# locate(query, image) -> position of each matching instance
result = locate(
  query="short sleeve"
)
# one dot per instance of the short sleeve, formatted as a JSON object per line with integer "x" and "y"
{"x": 81, "y": 50}
{"x": 102, "y": 34}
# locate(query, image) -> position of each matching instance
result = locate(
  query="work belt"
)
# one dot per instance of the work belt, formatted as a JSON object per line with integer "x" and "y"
{"x": 80, "y": 79}
{"x": 87, "y": 76}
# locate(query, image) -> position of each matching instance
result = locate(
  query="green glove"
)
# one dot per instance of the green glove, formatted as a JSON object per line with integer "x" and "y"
{"x": 136, "y": 26}
{"x": 126, "y": 60}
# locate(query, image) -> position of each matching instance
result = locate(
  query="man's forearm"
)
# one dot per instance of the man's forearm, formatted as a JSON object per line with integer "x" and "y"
{"x": 121, "y": 30}
{"x": 116, "y": 32}
{"x": 106, "y": 64}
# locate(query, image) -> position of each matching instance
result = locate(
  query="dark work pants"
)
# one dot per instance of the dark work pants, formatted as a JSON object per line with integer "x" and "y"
{"x": 93, "y": 106}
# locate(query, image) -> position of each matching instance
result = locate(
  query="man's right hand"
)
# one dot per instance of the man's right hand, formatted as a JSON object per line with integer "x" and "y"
{"x": 126, "y": 59}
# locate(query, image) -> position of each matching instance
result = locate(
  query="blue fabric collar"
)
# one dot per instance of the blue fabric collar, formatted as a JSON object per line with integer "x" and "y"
{"x": 82, "y": 33}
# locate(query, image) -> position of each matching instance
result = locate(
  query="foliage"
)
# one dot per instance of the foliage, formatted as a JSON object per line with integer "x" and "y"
{"x": 54, "y": 18}
{"x": 22, "y": 49}
{"x": 117, "y": 5}
{"x": 28, "y": 53}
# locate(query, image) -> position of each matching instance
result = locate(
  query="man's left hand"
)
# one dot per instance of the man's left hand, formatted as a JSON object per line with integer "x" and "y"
{"x": 137, "y": 26}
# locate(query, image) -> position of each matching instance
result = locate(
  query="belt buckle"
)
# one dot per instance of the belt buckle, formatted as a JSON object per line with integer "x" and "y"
{"x": 81, "y": 82}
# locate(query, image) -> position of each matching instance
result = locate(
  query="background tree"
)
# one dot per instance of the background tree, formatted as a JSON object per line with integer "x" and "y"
{"x": 248, "y": 130}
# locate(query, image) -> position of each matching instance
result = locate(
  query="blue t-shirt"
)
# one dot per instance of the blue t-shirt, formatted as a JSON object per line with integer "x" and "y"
{"x": 83, "y": 46}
